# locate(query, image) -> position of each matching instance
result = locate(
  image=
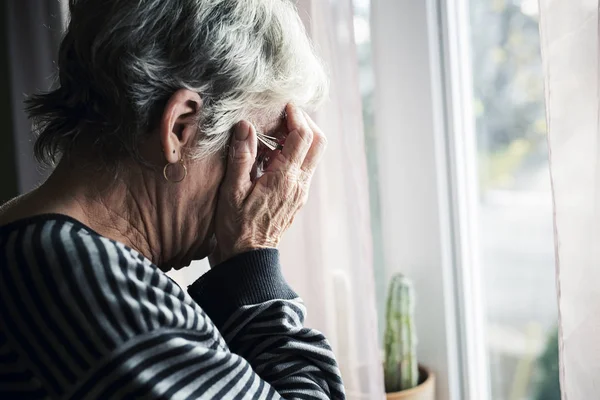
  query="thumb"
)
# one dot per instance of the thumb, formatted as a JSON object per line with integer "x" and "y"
{"x": 241, "y": 159}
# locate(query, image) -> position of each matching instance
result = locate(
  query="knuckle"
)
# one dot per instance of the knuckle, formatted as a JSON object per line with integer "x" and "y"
{"x": 305, "y": 134}
{"x": 287, "y": 185}
{"x": 321, "y": 140}
{"x": 302, "y": 197}
{"x": 303, "y": 200}
{"x": 304, "y": 178}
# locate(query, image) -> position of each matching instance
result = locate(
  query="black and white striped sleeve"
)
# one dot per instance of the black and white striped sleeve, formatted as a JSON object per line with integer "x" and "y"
{"x": 262, "y": 319}
{"x": 87, "y": 318}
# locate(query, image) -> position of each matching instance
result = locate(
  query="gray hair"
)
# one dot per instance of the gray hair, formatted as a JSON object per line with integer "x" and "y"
{"x": 121, "y": 60}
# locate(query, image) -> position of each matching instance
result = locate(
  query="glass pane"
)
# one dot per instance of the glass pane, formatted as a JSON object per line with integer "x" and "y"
{"x": 362, "y": 38}
{"x": 515, "y": 204}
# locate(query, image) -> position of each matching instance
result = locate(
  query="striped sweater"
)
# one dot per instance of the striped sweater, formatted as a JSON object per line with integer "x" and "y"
{"x": 85, "y": 317}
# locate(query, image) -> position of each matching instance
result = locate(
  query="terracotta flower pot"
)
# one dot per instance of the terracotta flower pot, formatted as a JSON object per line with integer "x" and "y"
{"x": 424, "y": 391}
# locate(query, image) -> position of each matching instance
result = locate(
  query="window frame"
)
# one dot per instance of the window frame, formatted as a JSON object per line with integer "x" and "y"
{"x": 464, "y": 189}
{"x": 426, "y": 141}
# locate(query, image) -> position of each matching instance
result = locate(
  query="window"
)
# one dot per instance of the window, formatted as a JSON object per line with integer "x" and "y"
{"x": 515, "y": 203}
{"x": 362, "y": 37}
{"x": 509, "y": 201}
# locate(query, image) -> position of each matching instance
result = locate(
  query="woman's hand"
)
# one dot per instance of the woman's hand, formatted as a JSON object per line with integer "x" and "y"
{"x": 254, "y": 215}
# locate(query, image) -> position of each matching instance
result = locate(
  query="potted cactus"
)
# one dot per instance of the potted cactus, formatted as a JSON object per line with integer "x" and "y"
{"x": 404, "y": 378}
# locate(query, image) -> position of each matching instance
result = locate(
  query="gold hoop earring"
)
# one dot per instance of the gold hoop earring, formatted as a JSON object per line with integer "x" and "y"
{"x": 185, "y": 172}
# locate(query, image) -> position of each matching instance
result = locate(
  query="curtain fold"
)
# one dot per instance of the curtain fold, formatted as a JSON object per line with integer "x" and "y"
{"x": 327, "y": 254}
{"x": 570, "y": 50}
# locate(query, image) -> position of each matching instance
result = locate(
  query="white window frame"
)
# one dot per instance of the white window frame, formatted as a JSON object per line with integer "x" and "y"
{"x": 462, "y": 153}
{"x": 427, "y": 174}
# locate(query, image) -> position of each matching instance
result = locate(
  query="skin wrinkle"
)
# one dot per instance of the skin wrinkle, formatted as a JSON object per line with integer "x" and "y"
{"x": 124, "y": 212}
{"x": 145, "y": 223}
{"x": 139, "y": 238}
{"x": 126, "y": 93}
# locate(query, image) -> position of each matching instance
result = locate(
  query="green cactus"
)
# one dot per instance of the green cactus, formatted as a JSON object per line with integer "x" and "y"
{"x": 400, "y": 366}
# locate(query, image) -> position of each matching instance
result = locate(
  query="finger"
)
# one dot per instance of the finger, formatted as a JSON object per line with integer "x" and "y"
{"x": 317, "y": 149}
{"x": 242, "y": 154}
{"x": 297, "y": 143}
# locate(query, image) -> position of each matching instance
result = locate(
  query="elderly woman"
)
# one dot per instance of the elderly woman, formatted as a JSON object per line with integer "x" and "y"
{"x": 177, "y": 132}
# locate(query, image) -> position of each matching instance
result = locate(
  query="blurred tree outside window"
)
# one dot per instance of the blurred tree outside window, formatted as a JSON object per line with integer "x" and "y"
{"x": 515, "y": 215}
{"x": 515, "y": 204}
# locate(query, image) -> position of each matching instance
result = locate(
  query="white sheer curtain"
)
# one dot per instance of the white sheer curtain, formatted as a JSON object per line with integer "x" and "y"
{"x": 570, "y": 49}
{"x": 326, "y": 255}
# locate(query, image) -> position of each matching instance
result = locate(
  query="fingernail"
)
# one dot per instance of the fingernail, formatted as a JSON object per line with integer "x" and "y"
{"x": 242, "y": 131}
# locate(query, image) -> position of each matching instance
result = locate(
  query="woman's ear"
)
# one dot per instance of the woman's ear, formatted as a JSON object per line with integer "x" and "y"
{"x": 179, "y": 123}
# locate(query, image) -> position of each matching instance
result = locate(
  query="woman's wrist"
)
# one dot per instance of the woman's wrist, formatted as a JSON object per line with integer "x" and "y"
{"x": 249, "y": 278}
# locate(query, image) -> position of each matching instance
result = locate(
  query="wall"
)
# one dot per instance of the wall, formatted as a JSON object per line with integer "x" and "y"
{"x": 8, "y": 178}
{"x": 32, "y": 33}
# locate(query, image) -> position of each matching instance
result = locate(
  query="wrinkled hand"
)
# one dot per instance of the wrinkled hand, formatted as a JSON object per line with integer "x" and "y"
{"x": 254, "y": 215}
